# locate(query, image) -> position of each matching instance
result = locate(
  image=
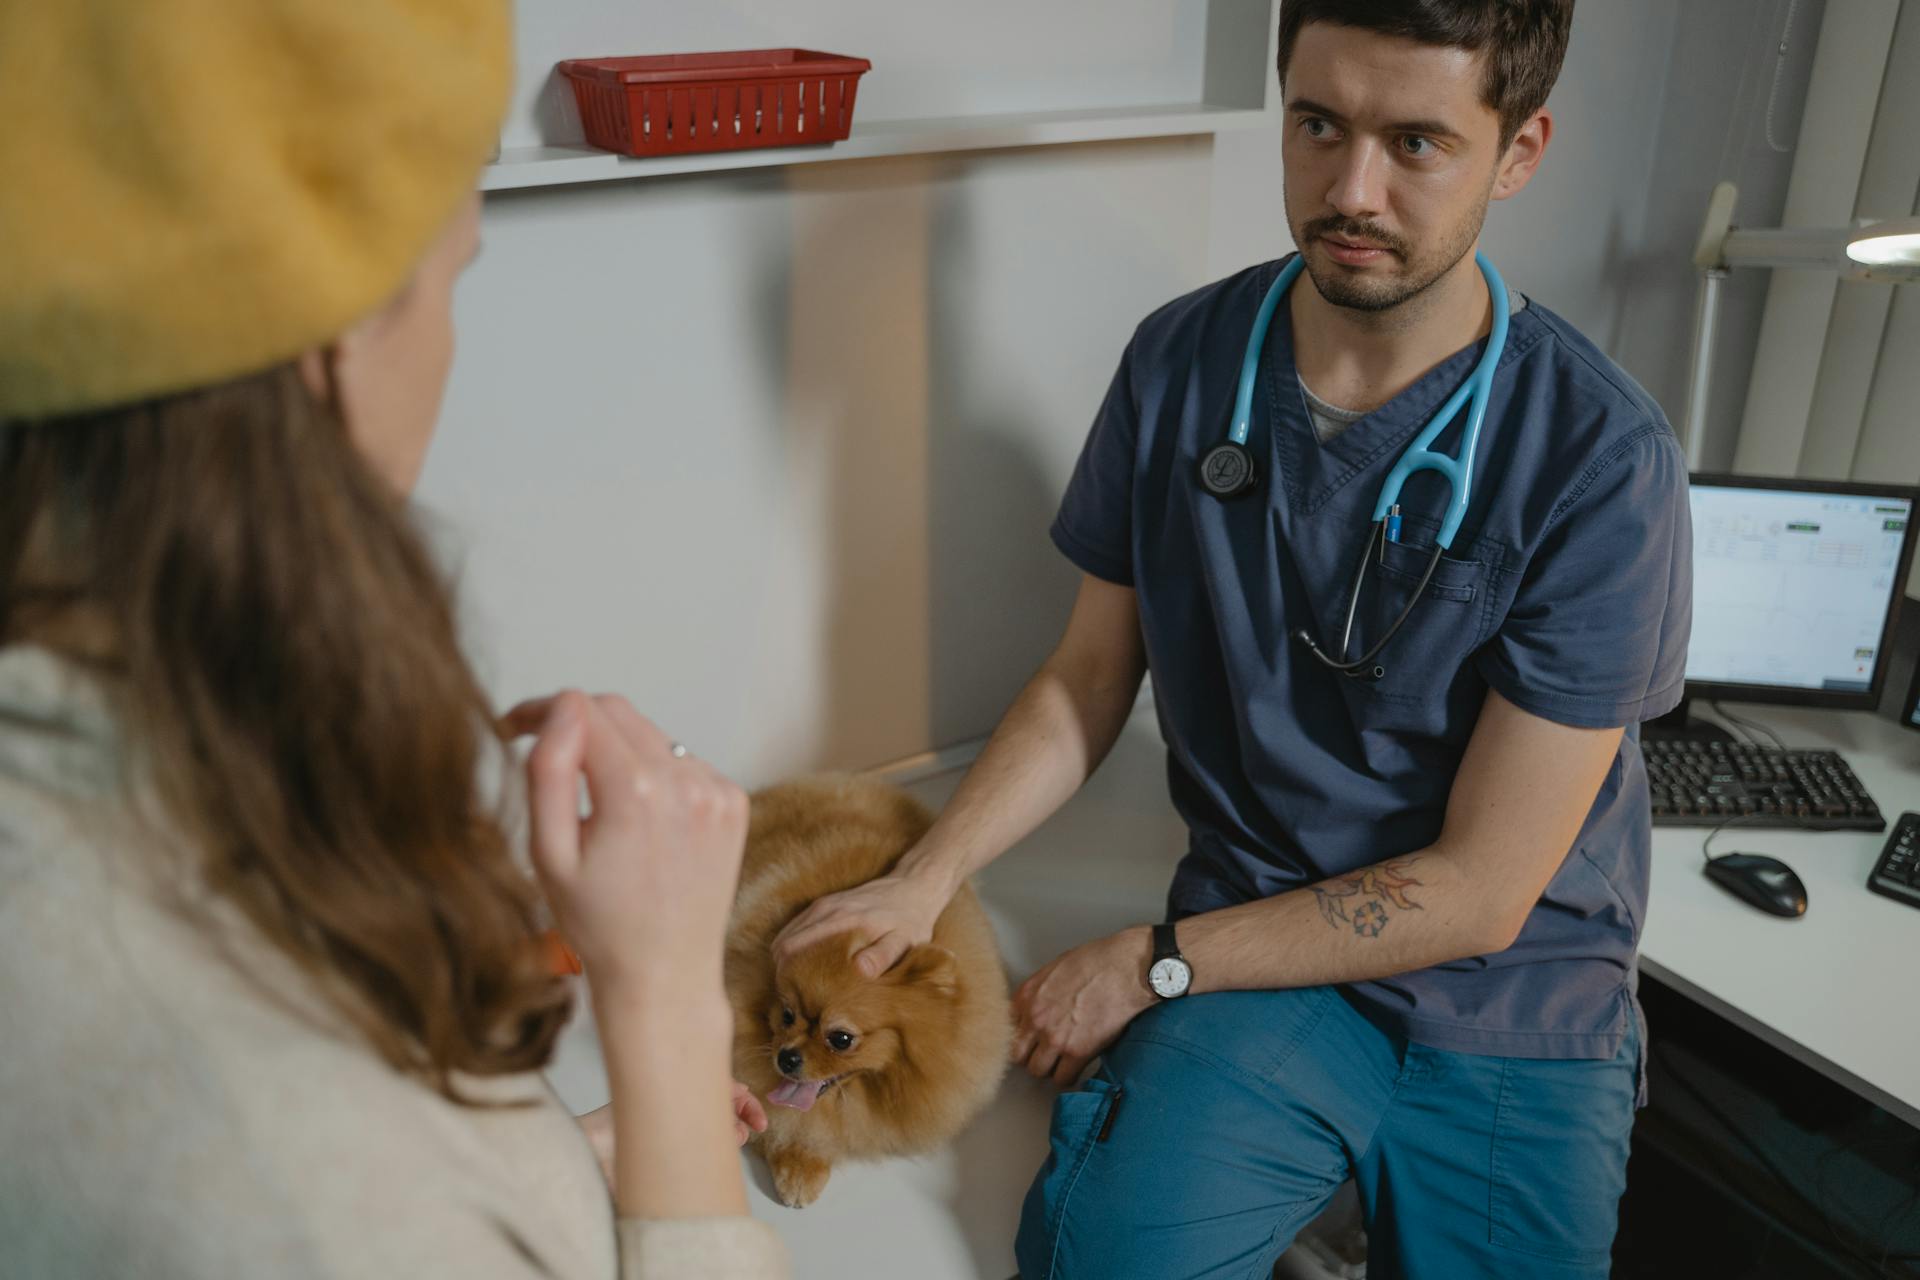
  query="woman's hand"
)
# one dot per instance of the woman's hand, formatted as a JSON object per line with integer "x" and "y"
{"x": 749, "y": 1117}
{"x": 598, "y": 1126}
{"x": 641, "y": 886}
{"x": 894, "y": 912}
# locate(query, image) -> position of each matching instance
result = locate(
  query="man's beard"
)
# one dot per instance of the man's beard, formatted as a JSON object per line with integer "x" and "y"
{"x": 1363, "y": 293}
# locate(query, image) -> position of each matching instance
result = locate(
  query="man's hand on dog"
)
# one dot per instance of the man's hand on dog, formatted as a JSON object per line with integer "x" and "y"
{"x": 896, "y": 912}
{"x": 1074, "y": 1007}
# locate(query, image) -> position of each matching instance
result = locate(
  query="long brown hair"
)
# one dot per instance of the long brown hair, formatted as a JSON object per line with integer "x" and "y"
{"x": 282, "y": 652}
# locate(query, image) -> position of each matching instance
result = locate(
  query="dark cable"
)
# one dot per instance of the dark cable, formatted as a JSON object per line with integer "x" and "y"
{"x": 1773, "y": 820}
{"x": 1739, "y": 733}
{"x": 1731, "y": 718}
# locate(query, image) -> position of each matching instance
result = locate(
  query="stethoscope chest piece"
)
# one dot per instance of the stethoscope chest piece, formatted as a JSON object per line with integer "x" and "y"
{"x": 1227, "y": 470}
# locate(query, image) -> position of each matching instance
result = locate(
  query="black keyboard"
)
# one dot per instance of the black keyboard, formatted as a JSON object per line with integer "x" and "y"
{"x": 1702, "y": 784}
{"x": 1897, "y": 874}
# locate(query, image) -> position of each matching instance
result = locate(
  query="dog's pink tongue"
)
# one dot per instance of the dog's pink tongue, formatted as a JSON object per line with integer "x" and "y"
{"x": 798, "y": 1094}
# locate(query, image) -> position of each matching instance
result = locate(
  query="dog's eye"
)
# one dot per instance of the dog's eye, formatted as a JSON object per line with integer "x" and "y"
{"x": 786, "y": 1016}
{"x": 840, "y": 1041}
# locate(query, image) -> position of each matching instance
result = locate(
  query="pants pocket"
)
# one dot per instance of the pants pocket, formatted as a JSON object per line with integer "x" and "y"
{"x": 1080, "y": 1120}
{"x": 1560, "y": 1143}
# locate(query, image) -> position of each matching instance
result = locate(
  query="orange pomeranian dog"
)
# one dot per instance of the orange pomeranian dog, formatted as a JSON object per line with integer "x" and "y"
{"x": 855, "y": 1067}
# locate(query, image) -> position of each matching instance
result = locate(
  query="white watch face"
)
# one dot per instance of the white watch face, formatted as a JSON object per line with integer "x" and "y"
{"x": 1169, "y": 977}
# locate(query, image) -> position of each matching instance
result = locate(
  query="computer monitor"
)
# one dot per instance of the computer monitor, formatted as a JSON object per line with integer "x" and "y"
{"x": 1796, "y": 588}
{"x": 1910, "y": 709}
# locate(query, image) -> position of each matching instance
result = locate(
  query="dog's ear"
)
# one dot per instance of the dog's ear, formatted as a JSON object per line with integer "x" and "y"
{"x": 929, "y": 967}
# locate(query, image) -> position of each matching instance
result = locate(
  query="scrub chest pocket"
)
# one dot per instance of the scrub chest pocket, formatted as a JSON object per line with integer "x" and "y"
{"x": 1429, "y": 663}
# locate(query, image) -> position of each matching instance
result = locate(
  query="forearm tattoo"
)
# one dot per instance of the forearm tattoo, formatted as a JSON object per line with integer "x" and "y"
{"x": 1359, "y": 901}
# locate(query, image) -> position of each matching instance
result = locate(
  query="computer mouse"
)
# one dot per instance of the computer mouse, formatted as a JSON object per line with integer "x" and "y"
{"x": 1767, "y": 883}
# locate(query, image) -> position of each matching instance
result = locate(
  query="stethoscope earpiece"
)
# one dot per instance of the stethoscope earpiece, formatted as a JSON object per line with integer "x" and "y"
{"x": 1371, "y": 674}
{"x": 1227, "y": 470}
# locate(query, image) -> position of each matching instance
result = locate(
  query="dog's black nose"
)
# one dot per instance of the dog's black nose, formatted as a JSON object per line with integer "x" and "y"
{"x": 788, "y": 1060}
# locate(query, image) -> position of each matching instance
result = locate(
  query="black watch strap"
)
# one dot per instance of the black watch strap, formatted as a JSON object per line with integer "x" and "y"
{"x": 1164, "y": 944}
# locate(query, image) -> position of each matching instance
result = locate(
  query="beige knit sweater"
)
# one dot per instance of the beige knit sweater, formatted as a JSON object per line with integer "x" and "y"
{"x": 163, "y": 1114}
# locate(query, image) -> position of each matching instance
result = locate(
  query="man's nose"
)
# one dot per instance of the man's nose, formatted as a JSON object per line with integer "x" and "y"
{"x": 1359, "y": 189}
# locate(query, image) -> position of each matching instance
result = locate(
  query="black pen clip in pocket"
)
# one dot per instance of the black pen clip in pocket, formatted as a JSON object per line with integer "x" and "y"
{"x": 1113, "y": 1109}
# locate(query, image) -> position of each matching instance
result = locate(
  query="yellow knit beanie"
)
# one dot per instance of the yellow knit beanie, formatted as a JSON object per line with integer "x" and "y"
{"x": 193, "y": 190}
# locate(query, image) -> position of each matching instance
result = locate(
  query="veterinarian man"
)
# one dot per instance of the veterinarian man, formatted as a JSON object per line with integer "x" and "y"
{"x": 1408, "y": 916}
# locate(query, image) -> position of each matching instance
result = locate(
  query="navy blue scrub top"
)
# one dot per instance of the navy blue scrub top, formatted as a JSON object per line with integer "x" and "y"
{"x": 1568, "y": 589}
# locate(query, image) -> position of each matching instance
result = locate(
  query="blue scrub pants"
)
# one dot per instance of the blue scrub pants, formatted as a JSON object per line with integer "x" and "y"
{"x": 1219, "y": 1125}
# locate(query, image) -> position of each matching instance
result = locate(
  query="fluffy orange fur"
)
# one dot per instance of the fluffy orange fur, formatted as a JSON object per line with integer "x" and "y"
{"x": 912, "y": 1055}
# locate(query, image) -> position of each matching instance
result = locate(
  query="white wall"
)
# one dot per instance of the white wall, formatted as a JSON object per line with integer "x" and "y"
{"x": 1570, "y": 236}
{"x": 1721, "y": 74}
{"x": 1833, "y": 382}
{"x": 774, "y": 452}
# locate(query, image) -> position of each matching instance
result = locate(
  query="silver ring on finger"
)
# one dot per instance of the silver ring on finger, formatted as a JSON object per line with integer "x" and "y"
{"x": 678, "y": 751}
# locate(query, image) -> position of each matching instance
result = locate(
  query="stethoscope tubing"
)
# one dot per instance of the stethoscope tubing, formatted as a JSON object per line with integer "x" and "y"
{"x": 1474, "y": 393}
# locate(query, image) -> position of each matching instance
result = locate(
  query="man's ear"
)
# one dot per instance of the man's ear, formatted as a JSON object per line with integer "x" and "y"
{"x": 1523, "y": 155}
{"x": 930, "y": 967}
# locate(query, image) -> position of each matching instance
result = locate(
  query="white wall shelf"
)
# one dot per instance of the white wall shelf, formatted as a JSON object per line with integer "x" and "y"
{"x": 553, "y": 166}
{"x": 1201, "y": 67}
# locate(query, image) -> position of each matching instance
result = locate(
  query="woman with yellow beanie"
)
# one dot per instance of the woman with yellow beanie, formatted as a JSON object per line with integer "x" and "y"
{"x": 272, "y": 996}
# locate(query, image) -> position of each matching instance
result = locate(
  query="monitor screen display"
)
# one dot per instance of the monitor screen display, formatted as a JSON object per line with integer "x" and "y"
{"x": 1792, "y": 588}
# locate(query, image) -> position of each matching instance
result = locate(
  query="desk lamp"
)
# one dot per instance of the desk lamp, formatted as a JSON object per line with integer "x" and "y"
{"x": 1887, "y": 252}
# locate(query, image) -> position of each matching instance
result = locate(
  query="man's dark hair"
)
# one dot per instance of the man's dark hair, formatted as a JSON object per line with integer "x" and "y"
{"x": 1522, "y": 42}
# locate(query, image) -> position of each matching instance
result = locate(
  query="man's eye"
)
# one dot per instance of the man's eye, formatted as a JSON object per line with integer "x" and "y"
{"x": 839, "y": 1041}
{"x": 786, "y": 1016}
{"x": 1318, "y": 130}
{"x": 1417, "y": 147}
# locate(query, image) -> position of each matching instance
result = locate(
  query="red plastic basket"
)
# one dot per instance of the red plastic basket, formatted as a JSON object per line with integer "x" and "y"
{"x": 672, "y": 104}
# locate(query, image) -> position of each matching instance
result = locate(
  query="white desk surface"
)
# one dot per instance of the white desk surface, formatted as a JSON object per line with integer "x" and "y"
{"x": 1832, "y": 988}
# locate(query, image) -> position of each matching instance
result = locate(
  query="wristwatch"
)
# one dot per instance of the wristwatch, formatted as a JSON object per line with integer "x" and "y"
{"x": 1170, "y": 974}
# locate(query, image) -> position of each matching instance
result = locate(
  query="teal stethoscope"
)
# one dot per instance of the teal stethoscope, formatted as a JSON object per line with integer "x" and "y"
{"x": 1227, "y": 470}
